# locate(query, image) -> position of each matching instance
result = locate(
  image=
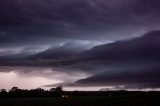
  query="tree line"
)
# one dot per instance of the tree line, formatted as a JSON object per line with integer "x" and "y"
{"x": 59, "y": 92}
{"x": 39, "y": 92}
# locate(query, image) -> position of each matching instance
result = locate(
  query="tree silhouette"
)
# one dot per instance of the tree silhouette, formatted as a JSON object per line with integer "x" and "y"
{"x": 3, "y": 91}
{"x": 52, "y": 89}
{"x": 59, "y": 89}
{"x": 14, "y": 89}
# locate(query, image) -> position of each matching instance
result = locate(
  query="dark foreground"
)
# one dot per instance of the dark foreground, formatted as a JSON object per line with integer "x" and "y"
{"x": 58, "y": 97}
{"x": 83, "y": 101}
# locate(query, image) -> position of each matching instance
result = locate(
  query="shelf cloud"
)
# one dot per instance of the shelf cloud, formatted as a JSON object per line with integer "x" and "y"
{"x": 99, "y": 42}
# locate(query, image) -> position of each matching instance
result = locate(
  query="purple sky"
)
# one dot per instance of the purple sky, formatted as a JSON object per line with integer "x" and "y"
{"x": 80, "y": 43}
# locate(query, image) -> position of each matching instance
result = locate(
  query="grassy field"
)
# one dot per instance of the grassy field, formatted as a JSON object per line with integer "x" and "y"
{"x": 82, "y": 101}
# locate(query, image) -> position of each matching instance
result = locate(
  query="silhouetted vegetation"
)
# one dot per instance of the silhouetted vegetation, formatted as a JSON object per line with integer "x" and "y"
{"x": 58, "y": 97}
{"x": 58, "y": 92}
{"x": 39, "y": 92}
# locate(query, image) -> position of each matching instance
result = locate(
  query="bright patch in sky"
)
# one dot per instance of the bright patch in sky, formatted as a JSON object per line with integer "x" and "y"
{"x": 8, "y": 80}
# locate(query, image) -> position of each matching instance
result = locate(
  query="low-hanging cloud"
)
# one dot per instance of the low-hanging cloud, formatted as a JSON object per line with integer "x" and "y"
{"x": 28, "y": 27}
{"x": 130, "y": 63}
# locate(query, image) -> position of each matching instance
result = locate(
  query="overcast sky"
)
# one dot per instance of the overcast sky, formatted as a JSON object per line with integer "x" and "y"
{"x": 53, "y": 41}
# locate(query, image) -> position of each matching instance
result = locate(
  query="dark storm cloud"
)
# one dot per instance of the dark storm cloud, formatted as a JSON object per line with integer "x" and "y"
{"x": 37, "y": 22}
{"x": 140, "y": 48}
{"x": 138, "y": 61}
{"x": 32, "y": 23}
{"x": 130, "y": 63}
{"x": 145, "y": 47}
{"x": 143, "y": 78}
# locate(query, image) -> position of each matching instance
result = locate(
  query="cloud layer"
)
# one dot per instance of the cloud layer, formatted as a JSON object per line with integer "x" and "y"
{"x": 59, "y": 34}
{"x": 130, "y": 63}
{"x": 40, "y": 22}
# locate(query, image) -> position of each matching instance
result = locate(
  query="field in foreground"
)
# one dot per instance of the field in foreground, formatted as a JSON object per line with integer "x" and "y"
{"x": 83, "y": 101}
